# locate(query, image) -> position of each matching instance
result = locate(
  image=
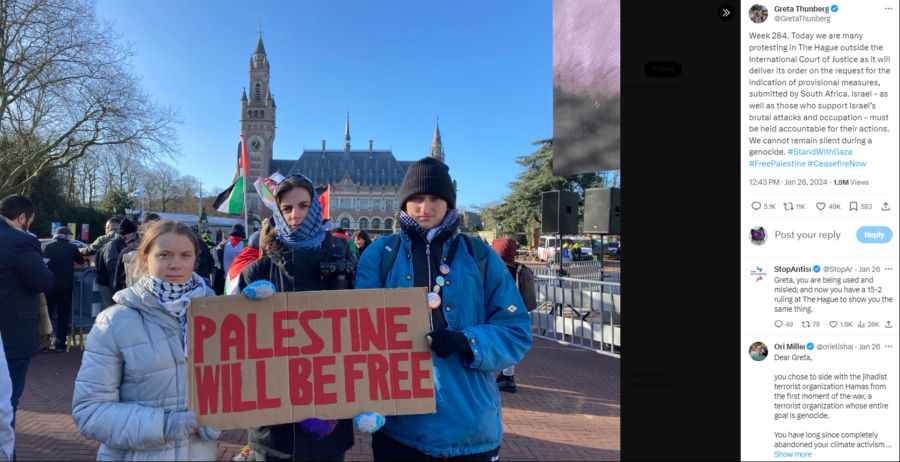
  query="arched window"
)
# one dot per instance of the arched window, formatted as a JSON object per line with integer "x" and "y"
{"x": 258, "y": 92}
{"x": 256, "y": 114}
{"x": 376, "y": 223}
{"x": 262, "y": 114}
{"x": 363, "y": 223}
{"x": 345, "y": 223}
{"x": 388, "y": 224}
{"x": 249, "y": 113}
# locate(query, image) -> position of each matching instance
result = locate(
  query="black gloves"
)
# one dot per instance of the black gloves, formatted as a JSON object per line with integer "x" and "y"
{"x": 445, "y": 342}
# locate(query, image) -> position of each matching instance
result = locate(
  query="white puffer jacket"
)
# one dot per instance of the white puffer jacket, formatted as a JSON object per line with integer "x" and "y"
{"x": 133, "y": 372}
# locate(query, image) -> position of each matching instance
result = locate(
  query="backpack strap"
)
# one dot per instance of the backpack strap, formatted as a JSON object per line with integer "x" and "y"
{"x": 478, "y": 250}
{"x": 389, "y": 255}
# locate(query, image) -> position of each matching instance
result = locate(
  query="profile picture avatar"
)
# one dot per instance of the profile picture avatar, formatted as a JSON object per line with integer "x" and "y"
{"x": 758, "y": 235}
{"x": 759, "y": 351}
{"x": 759, "y": 13}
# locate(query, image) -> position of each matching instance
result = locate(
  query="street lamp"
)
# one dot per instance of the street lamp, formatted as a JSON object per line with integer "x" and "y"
{"x": 203, "y": 220}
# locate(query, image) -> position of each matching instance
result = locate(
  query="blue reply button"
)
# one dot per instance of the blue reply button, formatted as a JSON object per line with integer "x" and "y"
{"x": 874, "y": 234}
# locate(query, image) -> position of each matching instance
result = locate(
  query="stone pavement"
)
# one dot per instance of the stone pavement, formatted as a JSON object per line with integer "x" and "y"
{"x": 567, "y": 408}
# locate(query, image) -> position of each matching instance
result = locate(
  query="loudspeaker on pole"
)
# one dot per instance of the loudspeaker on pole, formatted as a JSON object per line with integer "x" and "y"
{"x": 559, "y": 212}
{"x": 602, "y": 211}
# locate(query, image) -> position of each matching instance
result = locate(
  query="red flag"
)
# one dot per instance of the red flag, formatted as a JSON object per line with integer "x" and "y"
{"x": 242, "y": 162}
{"x": 323, "y": 201}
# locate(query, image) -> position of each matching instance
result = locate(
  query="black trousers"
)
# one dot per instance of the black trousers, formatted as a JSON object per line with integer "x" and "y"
{"x": 385, "y": 448}
{"x": 59, "y": 303}
{"x": 18, "y": 370}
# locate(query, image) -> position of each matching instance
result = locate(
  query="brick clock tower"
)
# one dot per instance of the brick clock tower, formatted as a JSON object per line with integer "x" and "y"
{"x": 258, "y": 122}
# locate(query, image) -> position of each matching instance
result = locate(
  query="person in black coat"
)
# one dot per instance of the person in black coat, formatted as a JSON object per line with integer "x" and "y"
{"x": 108, "y": 257}
{"x": 300, "y": 257}
{"x": 62, "y": 256}
{"x": 23, "y": 276}
{"x": 121, "y": 277}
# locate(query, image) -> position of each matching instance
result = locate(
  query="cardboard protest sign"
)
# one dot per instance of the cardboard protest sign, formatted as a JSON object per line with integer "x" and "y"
{"x": 327, "y": 354}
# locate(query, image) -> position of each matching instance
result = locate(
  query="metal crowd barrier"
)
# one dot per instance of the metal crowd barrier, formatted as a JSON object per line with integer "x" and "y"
{"x": 86, "y": 305}
{"x": 589, "y": 269}
{"x": 585, "y": 313}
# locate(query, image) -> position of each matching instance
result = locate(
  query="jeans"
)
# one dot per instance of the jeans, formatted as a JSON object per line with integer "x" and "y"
{"x": 18, "y": 369}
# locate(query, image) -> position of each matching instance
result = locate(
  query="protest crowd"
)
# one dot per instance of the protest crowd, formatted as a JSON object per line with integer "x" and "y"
{"x": 132, "y": 393}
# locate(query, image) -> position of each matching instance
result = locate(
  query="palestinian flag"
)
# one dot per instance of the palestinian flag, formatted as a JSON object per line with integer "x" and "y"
{"x": 323, "y": 192}
{"x": 231, "y": 200}
{"x": 265, "y": 187}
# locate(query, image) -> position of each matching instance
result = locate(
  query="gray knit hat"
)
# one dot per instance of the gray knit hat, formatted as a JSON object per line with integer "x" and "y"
{"x": 254, "y": 240}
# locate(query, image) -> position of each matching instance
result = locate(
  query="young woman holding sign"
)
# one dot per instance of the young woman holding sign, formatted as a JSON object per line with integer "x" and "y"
{"x": 131, "y": 390}
{"x": 301, "y": 257}
{"x": 479, "y": 322}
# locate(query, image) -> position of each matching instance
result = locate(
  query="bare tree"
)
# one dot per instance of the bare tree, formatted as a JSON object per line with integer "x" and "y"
{"x": 89, "y": 179}
{"x": 67, "y": 90}
{"x": 162, "y": 186}
{"x": 189, "y": 201}
{"x": 121, "y": 170}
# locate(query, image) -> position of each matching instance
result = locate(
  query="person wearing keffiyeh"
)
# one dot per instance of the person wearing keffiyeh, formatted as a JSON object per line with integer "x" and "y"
{"x": 131, "y": 391}
{"x": 480, "y": 324}
{"x": 291, "y": 262}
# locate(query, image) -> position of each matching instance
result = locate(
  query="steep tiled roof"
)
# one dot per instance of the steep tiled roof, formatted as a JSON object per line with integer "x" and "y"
{"x": 281, "y": 166}
{"x": 378, "y": 168}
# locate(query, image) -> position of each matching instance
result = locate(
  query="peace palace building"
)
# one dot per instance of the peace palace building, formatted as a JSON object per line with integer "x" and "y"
{"x": 365, "y": 183}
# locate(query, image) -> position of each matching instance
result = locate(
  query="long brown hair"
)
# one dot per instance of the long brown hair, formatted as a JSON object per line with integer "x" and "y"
{"x": 153, "y": 230}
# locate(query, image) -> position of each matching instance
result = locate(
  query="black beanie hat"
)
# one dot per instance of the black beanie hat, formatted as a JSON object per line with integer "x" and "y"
{"x": 428, "y": 176}
{"x": 127, "y": 227}
{"x": 238, "y": 230}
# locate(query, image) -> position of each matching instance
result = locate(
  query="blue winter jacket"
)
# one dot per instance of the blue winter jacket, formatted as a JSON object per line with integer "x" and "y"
{"x": 492, "y": 315}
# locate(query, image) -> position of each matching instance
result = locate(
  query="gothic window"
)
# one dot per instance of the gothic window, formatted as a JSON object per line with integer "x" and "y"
{"x": 388, "y": 223}
{"x": 345, "y": 223}
{"x": 258, "y": 92}
{"x": 376, "y": 223}
{"x": 262, "y": 114}
{"x": 363, "y": 223}
{"x": 249, "y": 113}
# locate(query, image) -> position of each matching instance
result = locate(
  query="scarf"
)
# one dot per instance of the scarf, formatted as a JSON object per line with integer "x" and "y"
{"x": 247, "y": 256}
{"x": 235, "y": 240}
{"x": 408, "y": 224}
{"x": 310, "y": 232}
{"x": 174, "y": 298}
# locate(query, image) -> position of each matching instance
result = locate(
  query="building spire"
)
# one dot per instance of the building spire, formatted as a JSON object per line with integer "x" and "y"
{"x": 437, "y": 147}
{"x": 347, "y": 133}
{"x": 260, "y": 49}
